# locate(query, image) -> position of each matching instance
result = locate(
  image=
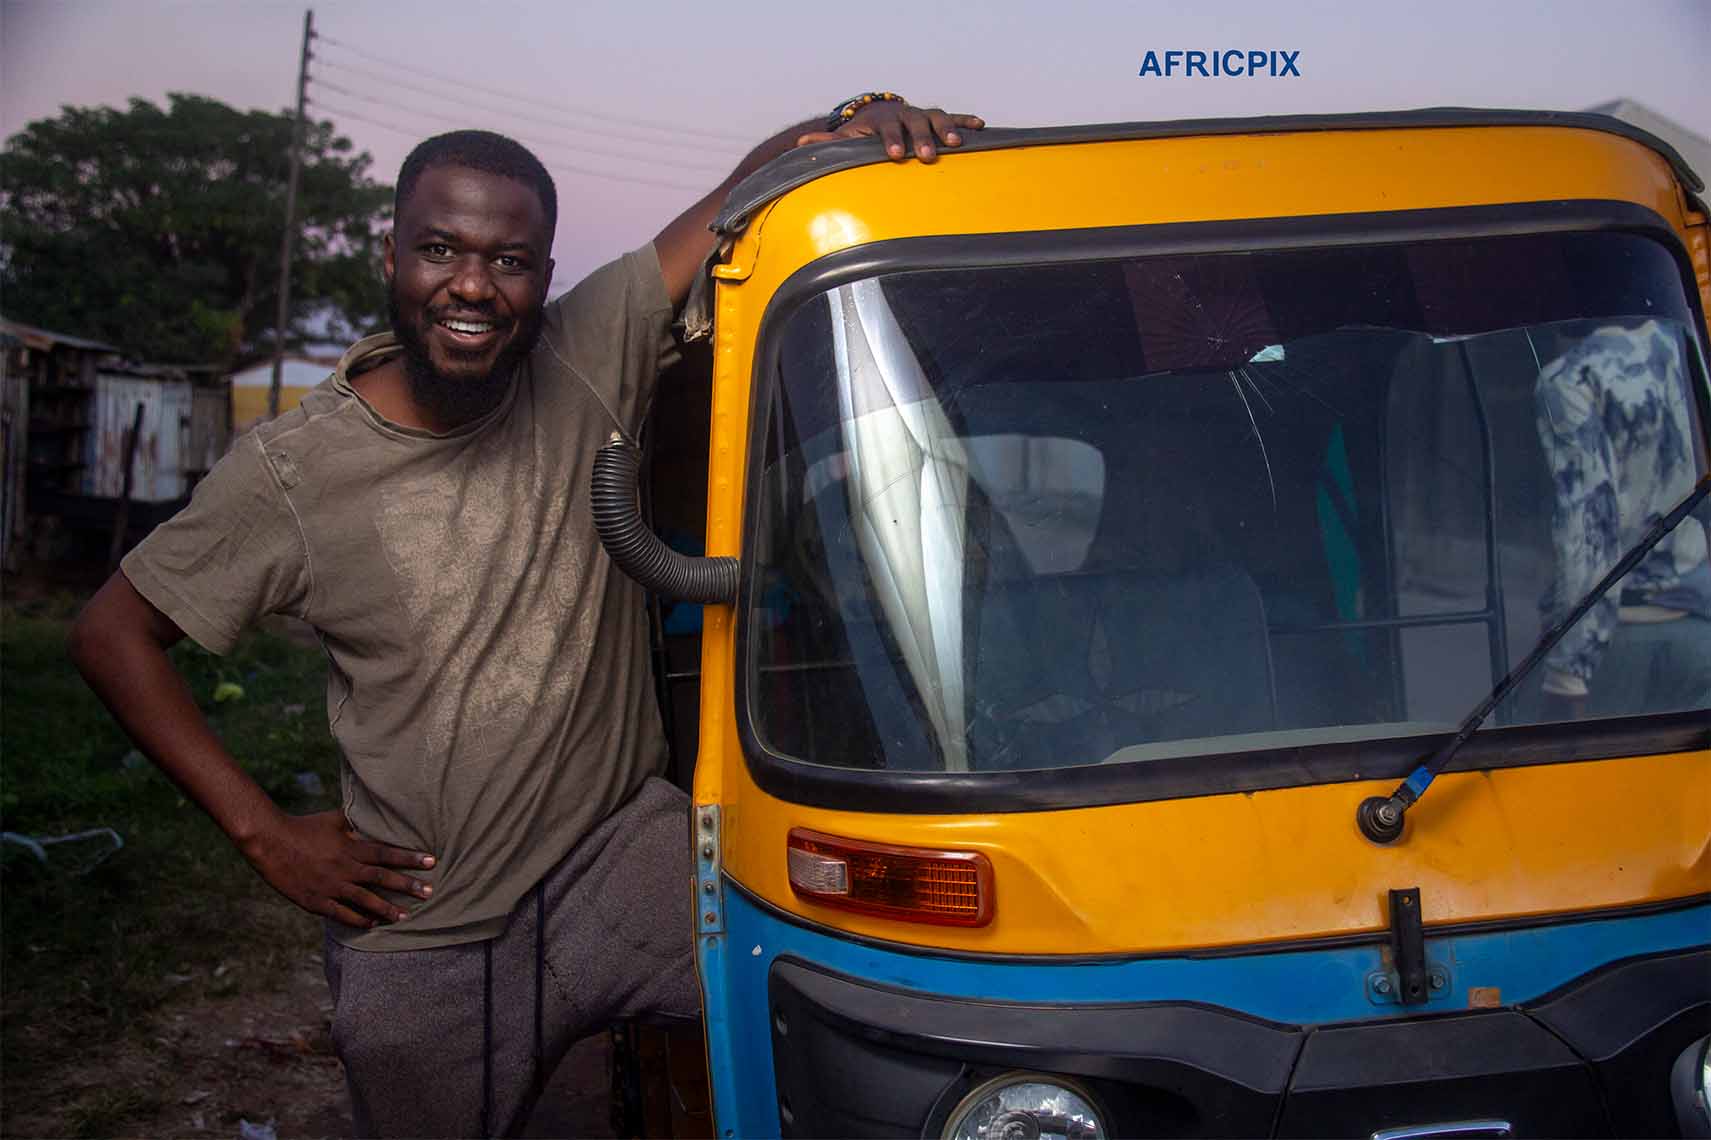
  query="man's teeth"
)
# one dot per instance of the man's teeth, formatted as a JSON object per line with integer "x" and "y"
{"x": 467, "y": 326}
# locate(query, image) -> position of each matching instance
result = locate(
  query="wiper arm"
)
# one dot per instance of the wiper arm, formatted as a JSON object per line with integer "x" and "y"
{"x": 1380, "y": 817}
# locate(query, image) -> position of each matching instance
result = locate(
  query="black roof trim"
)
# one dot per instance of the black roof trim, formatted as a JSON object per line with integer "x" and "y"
{"x": 802, "y": 165}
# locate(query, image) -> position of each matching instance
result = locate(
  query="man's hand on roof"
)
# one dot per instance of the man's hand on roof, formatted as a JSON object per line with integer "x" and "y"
{"x": 902, "y": 127}
{"x": 683, "y": 245}
{"x": 323, "y": 866}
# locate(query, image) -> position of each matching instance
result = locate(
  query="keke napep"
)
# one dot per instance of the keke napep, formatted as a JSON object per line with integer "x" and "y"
{"x": 1207, "y": 632}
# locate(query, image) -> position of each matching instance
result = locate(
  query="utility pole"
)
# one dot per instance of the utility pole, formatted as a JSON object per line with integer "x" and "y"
{"x": 289, "y": 239}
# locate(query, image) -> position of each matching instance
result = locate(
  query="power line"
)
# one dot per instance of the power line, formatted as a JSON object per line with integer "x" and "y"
{"x": 555, "y": 167}
{"x": 439, "y": 117}
{"x": 557, "y": 124}
{"x": 606, "y": 116}
{"x": 440, "y": 122}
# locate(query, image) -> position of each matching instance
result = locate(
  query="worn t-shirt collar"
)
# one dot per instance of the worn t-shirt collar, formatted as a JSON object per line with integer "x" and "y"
{"x": 371, "y": 352}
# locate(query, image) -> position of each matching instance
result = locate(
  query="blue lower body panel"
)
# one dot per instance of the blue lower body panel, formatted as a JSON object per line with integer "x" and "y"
{"x": 1291, "y": 989}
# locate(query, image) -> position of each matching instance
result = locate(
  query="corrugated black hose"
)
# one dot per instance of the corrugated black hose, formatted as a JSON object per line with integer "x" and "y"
{"x": 635, "y": 549}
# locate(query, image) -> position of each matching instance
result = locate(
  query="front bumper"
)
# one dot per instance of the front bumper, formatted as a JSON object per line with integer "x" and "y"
{"x": 854, "y": 1059}
{"x": 813, "y": 1034}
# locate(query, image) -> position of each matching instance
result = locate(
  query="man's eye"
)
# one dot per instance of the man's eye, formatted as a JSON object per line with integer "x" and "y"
{"x": 506, "y": 261}
{"x": 437, "y": 249}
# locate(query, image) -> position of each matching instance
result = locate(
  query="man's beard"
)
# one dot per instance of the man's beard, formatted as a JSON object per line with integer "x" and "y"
{"x": 459, "y": 399}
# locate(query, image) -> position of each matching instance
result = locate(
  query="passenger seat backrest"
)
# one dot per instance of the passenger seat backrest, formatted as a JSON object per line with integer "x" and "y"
{"x": 1069, "y": 669}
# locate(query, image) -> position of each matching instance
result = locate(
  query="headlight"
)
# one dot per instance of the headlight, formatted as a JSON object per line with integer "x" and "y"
{"x": 1690, "y": 1088}
{"x": 1026, "y": 1106}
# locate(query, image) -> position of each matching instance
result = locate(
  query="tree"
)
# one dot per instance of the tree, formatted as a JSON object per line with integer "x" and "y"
{"x": 158, "y": 231}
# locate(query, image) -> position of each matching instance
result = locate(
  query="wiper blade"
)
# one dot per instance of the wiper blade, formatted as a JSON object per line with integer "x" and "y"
{"x": 1380, "y": 817}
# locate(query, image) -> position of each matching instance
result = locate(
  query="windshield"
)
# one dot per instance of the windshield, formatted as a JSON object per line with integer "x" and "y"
{"x": 1030, "y": 517}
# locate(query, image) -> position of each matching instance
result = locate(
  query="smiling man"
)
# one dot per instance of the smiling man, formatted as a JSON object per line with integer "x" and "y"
{"x": 489, "y": 684}
{"x": 462, "y": 332}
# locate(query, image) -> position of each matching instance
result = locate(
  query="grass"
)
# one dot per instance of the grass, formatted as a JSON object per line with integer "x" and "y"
{"x": 91, "y": 948}
{"x": 111, "y": 1111}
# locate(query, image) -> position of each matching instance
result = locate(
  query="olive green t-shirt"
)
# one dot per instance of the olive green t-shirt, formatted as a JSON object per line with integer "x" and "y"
{"x": 488, "y": 682}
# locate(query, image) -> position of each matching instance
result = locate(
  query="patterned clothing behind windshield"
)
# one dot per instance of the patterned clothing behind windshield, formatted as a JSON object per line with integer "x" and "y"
{"x": 1617, "y": 431}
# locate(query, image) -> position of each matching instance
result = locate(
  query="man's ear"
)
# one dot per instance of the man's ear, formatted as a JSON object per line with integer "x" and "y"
{"x": 388, "y": 258}
{"x": 547, "y": 285}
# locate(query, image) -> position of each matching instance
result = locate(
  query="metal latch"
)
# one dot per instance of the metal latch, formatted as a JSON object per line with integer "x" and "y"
{"x": 1413, "y": 980}
{"x": 709, "y": 899}
{"x": 1408, "y": 940}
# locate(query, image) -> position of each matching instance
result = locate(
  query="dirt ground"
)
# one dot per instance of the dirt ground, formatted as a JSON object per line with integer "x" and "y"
{"x": 203, "y": 1066}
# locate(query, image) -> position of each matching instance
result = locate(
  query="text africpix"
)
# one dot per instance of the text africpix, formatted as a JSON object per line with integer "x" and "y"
{"x": 1230, "y": 64}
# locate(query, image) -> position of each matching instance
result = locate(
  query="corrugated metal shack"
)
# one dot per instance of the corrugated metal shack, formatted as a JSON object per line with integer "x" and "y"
{"x": 184, "y": 432}
{"x": 68, "y": 405}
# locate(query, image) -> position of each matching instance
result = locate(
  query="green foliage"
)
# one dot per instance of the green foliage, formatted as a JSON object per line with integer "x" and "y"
{"x": 159, "y": 231}
{"x": 89, "y": 952}
{"x": 63, "y": 760}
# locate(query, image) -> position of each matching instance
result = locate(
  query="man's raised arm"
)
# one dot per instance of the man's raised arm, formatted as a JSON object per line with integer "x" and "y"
{"x": 684, "y": 244}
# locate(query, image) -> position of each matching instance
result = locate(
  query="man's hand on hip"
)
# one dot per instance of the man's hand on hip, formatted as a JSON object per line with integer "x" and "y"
{"x": 119, "y": 643}
{"x": 323, "y": 866}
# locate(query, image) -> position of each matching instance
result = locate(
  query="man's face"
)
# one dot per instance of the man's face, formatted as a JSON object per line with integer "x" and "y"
{"x": 467, "y": 272}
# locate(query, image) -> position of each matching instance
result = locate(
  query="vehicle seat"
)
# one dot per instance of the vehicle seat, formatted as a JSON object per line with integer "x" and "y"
{"x": 1069, "y": 669}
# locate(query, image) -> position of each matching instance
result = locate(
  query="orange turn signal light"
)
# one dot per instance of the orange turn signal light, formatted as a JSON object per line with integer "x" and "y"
{"x": 916, "y": 884}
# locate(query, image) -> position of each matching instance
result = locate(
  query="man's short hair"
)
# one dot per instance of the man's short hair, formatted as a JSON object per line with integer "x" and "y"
{"x": 485, "y": 151}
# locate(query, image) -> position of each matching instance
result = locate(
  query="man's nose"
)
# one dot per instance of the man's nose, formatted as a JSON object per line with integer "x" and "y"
{"x": 472, "y": 282}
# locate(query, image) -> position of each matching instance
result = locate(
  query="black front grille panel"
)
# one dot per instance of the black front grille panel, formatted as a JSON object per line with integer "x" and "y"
{"x": 855, "y": 1059}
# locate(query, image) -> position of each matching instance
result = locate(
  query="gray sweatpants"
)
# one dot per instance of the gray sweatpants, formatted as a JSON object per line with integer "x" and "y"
{"x": 443, "y": 1042}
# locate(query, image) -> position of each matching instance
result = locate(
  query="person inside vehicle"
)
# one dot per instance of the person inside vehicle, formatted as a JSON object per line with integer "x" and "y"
{"x": 1617, "y": 433}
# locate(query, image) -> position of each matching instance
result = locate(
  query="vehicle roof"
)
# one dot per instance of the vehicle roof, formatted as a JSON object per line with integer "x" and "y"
{"x": 802, "y": 165}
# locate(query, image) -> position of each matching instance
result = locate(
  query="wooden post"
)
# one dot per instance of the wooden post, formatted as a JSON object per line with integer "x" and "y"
{"x": 122, "y": 515}
{"x": 289, "y": 240}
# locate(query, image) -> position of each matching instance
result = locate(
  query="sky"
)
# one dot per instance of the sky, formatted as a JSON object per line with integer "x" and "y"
{"x": 640, "y": 107}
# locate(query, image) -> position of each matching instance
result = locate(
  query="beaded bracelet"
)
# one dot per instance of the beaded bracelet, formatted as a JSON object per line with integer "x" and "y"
{"x": 846, "y": 110}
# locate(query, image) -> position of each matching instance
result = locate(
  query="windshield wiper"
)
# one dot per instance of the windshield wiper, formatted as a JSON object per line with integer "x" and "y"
{"x": 1380, "y": 817}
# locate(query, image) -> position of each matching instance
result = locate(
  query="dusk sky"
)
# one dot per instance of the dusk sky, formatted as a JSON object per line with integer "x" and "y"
{"x": 640, "y": 106}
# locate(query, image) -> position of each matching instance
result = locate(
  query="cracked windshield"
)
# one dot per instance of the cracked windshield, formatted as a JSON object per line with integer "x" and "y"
{"x": 1036, "y": 516}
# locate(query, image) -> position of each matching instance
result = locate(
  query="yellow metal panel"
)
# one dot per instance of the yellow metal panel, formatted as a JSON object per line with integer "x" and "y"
{"x": 1206, "y": 179}
{"x": 1216, "y": 870}
{"x": 1267, "y": 866}
{"x": 1699, "y": 251}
